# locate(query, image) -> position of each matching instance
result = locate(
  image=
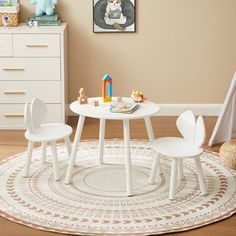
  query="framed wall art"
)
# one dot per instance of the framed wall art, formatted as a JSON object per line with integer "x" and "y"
{"x": 113, "y": 16}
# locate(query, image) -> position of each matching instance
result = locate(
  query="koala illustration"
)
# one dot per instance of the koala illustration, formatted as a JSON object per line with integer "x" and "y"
{"x": 114, "y": 15}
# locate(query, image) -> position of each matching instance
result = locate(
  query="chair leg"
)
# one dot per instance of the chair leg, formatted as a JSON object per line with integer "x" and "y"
{"x": 28, "y": 159}
{"x": 173, "y": 179}
{"x": 156, "y": 168}
{"x": 180, "y": 169}
{"x": 55, "y": 161}
{"x": 149, "y": 129}
{"x": 200, "y": 175}
{"x": 68, "y": 145}
{"x": 159, "y": 169}
{"x": 43, "y": 147}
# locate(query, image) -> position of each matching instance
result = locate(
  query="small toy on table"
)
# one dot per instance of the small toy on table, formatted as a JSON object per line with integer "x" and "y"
{"x": 106, "y": 88}
{"x": 137, "y": 96}
{"x": 82, "y": 99}
{"x": 95, "y": 103}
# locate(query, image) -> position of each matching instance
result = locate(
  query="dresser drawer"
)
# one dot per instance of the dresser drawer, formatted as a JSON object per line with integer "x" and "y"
{"x": 36, "y": 45}
{"x": 30, "y": 69}
{"x": 12, "y": 115}
{"x": 5, "y": 45}
{"x": 25, "y": 91}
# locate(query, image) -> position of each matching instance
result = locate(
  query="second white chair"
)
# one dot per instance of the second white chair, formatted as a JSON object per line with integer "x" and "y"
{"x": 43, "y": 133}
{"x": 190, "y": 146}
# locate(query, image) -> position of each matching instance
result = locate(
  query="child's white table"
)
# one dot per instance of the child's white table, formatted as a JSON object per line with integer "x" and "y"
{"x": 102, "y": 112}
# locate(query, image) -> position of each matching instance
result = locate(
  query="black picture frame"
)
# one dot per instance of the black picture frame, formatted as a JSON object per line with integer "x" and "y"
{"x": 113, "y": 17}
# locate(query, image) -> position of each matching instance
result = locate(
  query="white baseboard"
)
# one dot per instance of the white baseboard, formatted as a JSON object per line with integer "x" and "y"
{"x": 198, "y": 109}
{"x": 177, "y": 109}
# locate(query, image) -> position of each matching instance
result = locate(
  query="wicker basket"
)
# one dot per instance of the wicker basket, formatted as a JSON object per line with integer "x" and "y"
{"x": 13, "y": 13}
{"x": 228, "y": 154}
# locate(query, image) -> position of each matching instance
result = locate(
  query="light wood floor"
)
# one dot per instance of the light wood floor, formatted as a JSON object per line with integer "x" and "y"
{"x": 12, "y": 142}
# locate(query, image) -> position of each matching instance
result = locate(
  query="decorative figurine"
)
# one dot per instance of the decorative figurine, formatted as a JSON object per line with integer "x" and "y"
{"x": 31, "y": 22}
{"x": 44, "y": 7}
{"x": 119, "y": 99}
{"x": 5, "y": 20}
{"x": 82, "y": 99}
{"x": 106, "y": 88}
{"x": 95, "y": 103}
{"x": 137, "y": 96}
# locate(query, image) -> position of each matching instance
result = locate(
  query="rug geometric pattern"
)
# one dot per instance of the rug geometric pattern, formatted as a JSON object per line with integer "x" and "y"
{"x": 95, "y": 202}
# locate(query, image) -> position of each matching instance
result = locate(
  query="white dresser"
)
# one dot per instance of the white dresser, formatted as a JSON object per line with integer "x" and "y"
{"x": 33, "y": 63}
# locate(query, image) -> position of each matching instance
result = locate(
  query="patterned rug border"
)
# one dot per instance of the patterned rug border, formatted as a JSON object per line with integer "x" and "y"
{"x": 47, "y": 229}
{"x": 15, "y": 220}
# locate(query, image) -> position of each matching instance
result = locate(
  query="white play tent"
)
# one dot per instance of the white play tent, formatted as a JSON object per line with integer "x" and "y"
{"x": 225, "y": 128}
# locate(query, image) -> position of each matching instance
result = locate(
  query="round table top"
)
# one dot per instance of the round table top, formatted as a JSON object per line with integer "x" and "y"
{"x": 103, "y": 110}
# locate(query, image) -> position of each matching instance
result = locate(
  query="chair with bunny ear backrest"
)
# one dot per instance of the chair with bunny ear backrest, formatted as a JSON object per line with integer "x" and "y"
{"x": 27, "y": 117}
{"x": 200, "y": 132}
{"x": 43, "y": 133}
{"x": 38, "y": 111}
{"x": 186, "y": 123}
{"x": 189, "y": 146}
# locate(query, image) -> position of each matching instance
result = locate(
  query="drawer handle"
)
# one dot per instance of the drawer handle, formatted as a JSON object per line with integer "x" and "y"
{"x": 14, "y": 115}
{"x": 13, "y": 69}
{"x": 36, "y": 46}
{"x": 14, "y": 92}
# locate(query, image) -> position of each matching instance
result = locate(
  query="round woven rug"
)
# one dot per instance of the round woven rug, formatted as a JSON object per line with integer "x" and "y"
{"x": 95, "y": 202}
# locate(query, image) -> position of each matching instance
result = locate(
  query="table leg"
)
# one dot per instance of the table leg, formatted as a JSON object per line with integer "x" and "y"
{"x": 127, "y": 158}
{"x": 101, "y": 140}
{"x": 149, "y": 128}
{"x": 74, "y": 149}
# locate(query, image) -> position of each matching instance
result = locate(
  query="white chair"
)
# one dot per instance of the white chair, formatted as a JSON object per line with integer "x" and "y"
{"x": 43, "y": 133}
{"x": 190, "y": 146}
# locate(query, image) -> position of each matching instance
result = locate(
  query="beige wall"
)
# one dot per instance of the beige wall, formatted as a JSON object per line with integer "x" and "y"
{"x": 184, "y": 51}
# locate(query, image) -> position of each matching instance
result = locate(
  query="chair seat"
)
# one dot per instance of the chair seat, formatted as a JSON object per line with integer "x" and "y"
{"x": 49, "y": 132}
{"x": 175, "y": 147}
